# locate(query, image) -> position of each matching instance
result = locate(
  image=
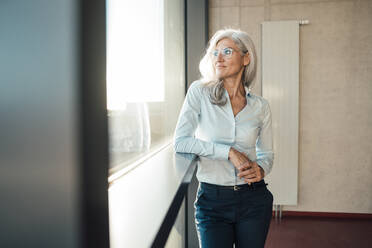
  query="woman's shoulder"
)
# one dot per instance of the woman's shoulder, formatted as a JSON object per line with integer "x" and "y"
{"x": 261, "y": 101}
{"x": 258, "y": 98}
{"x": 196, "y": 87}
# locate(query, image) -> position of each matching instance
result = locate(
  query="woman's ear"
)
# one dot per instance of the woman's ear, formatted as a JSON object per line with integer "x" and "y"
{"x": 246, "y": 59}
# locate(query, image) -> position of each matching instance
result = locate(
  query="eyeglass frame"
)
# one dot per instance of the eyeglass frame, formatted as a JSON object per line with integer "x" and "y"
{"x": 226, "y": 56}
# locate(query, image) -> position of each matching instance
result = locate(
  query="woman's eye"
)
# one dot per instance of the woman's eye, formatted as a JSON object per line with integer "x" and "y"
{"x": 215, "y": 53}
{"x": 227, "y": 51}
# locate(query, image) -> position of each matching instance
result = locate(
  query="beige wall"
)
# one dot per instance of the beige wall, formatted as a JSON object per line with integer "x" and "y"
{"x": 335, "y": 140}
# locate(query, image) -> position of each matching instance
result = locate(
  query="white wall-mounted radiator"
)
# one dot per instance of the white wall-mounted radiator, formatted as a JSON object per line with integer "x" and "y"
{"x": 280, "y": 86}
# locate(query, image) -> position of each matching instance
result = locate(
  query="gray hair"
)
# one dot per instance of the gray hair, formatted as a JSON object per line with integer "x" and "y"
{"x": 208, "y": 72}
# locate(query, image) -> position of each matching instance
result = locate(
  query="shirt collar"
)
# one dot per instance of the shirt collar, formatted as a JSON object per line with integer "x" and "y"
{"x": 247, "y": 91}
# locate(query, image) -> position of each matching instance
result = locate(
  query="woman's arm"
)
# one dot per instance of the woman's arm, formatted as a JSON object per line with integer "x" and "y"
{"x": 184, "y": 140}
{"x": 264, "y": 143}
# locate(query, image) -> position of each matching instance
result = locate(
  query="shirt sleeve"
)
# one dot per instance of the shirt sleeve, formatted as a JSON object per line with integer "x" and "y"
{"x": 264, "y": 143}
{"x": 184, "y": 140}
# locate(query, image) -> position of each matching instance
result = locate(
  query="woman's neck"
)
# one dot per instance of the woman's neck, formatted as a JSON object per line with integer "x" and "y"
{"x": 234, "y": 87}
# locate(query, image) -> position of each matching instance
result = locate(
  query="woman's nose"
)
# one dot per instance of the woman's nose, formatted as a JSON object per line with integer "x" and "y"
{"x": 220, "y": 57}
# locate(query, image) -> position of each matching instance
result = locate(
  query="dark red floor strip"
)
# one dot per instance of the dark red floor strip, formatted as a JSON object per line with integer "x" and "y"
{"x": 319, "y": 232}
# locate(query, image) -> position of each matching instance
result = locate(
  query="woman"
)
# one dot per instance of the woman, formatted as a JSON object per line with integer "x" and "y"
{"x": 230, "y": 129}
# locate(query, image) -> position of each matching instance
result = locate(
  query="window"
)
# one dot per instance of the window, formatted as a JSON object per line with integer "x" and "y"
{"x": 145, "y": 76}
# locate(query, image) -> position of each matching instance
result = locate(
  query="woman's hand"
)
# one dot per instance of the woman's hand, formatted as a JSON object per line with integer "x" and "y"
{"x": 251, "y": 171}
{"x": 253, "y": 174}
{"x": 239, "y": 160}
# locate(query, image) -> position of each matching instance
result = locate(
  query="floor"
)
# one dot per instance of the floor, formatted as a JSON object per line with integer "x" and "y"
{"x": 319, "y": 232}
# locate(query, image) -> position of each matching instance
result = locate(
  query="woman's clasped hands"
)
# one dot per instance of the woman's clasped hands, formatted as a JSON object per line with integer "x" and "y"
{"x": 249, "y": 170}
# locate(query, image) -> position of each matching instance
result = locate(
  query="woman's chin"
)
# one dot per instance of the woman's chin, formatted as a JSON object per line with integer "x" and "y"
{"x": 220, "y": 76}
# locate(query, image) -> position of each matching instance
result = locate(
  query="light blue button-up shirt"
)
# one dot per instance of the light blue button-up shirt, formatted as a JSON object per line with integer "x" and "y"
{"x": 209, "y": 131}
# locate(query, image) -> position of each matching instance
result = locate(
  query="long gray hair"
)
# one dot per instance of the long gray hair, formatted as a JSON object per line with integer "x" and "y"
{"x": 208, "y": 72}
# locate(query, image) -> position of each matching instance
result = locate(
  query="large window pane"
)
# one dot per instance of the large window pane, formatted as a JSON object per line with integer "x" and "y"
{"x": 145, "y": 76}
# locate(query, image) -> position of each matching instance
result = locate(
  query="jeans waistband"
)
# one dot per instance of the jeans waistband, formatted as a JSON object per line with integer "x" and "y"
{"x": 245, "y": 186}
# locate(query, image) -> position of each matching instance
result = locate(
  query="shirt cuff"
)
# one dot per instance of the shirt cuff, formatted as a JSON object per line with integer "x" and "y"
{"x": 221, "y": 151}
{"x": 263, "y": 166}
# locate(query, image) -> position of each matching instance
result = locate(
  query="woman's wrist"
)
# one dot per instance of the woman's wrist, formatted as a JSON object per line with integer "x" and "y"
{"x": 231, "y": 151}
{"x": 262, "y": 170}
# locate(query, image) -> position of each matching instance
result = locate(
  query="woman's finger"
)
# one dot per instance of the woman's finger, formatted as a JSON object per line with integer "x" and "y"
{"x": 245, "y": 166}
{"x": 252, "y": 180}
{"x": 256, "y": 175}
{"x": 250, "y": 176}
{"x": 256, "y": 178}
{"x": 247, "y": 172}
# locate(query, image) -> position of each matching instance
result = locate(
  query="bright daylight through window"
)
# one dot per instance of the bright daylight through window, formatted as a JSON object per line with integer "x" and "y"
{"x": 145, "y": 76}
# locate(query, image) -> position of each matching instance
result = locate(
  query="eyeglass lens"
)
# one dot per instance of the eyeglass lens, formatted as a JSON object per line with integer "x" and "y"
{"x": 226, "y": 52}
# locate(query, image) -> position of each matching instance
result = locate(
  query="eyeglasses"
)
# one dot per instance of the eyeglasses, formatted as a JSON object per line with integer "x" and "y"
{"x": 226, "y": 52}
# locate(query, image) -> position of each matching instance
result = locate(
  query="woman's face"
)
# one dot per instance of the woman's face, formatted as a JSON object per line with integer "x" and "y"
{"x": 227, "y": 59}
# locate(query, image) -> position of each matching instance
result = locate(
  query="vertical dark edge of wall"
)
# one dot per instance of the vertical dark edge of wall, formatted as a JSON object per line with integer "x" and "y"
{"x": 206, "y": 24}
{"x": 196, "y": 25}
{"x": 93, "y": 125}
{"x": 186, "y": 37}
{"x": 196, "y": 39}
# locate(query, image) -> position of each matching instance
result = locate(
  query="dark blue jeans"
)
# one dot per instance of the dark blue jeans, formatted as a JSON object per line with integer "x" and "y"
{"x": 224, "y": 216}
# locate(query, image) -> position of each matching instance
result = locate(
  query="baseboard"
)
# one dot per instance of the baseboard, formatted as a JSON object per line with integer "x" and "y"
{"x": 327, "y": 215}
